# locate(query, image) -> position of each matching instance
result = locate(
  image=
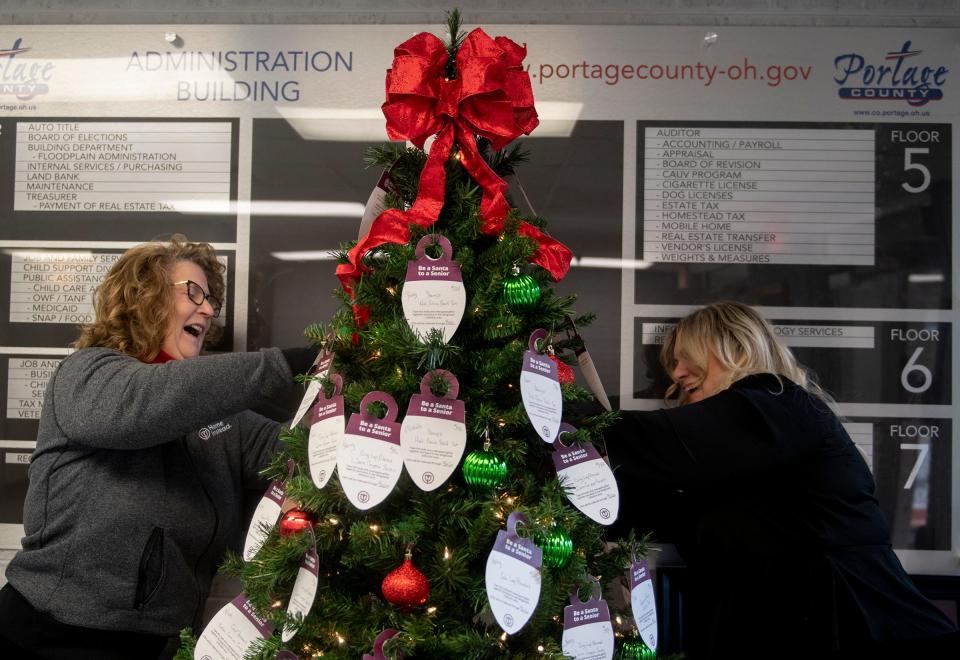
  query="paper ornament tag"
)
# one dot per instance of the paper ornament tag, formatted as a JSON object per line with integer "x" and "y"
{"x": 592, "y": 376}
{"x": 320, "y": 368}
{"x": 378, "y": 645}
{"x": 327, "y": 425}
{"x": 540, "y": 389}
{"x": 376, "y": 203}
{"x": 369, "y": 460}
{"x": 513, "y": 576}
{"x": 434, "y": 434}
{"x": 587, "y": 631}
{"x": 433, "y": 294}
{"x": 587, "y": 367}
{"x": 587, "y": 479}
{"x": 266, "y": 515}
{"x": 231, "y": 631}
{"x": 643, "y": 602}
{"x": 304, "y": 589}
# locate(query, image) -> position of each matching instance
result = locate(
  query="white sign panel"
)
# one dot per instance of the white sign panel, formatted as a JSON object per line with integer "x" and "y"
{"x": 835, "y": 336}
{"x": 741, "y": 195}
{"x": 26, "y": 383}
{"x": 120, "y": 166}
{"x": 55, "y": 287}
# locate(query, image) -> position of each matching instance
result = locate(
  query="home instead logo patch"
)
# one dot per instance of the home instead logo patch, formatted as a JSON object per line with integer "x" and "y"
{"x": 23, "y": 78}
{"x": 211, "y": 430}
{"x": 901, "y": 76}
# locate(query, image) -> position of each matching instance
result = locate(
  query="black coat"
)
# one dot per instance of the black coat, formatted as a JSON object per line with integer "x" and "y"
{"x": 772, "y": 507}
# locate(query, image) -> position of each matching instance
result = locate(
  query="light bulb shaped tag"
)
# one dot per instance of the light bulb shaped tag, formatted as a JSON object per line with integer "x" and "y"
{"x": 266, "y": 515}
{"x": 376, "y": 203}
{"x": 434, "y": 434}
{"x": 231, "y": 631}
{"x": 433, "y": 293}
{"x": 304, "y": 589}
{"x": 587, "y": 631}
{"x": 320, "y": 368}
{"x": 327, "y": 425}
{"x": 378, "y": 645}
{"x": 540, "y": 389}
{"x": 589, "y": 369}
{"x": 643, "y": 602}
{"x": 513, "y": 576}
{"x": 369, "y": 461}
{"x": 587, "y": 479}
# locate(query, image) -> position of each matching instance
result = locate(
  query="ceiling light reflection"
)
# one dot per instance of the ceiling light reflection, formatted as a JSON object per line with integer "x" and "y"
{"x": 305, "y": 255}
{"x": 610, "y": 262}
{"x": 286, "y": 208}
{"x": 580, "y": 262}
{"x": 557, "y": 119}
{"x": 924, "y": 278}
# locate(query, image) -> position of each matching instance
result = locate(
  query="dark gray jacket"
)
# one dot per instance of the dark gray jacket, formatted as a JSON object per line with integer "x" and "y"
{"x": 773, "y": 509}
{"x": 136, "y": 484}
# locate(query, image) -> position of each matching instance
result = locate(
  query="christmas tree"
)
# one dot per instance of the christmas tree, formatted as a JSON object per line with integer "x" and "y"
{"x": 411, "y": 556}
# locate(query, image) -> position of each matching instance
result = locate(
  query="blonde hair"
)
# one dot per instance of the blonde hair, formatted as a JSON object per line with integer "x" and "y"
{"x": 132, "y": 305}
{"x": 742, "y": 341}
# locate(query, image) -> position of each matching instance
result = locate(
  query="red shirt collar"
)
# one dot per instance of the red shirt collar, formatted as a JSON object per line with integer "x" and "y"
{"x": 161, "y": 358}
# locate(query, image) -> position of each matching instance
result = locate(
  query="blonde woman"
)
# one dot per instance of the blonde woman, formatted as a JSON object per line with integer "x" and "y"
{"x": 143, "y": 454}
{"x": 770, "y": 503}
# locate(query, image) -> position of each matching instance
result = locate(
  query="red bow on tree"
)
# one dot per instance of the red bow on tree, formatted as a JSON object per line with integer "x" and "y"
{"x": 490, "y": 97}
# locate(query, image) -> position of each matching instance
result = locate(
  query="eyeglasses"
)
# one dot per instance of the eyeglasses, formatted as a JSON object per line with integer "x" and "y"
{"x": 197, "y": 295}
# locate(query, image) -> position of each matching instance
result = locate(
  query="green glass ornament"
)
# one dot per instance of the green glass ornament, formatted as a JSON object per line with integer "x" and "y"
{"x": 557, "y": 548}
{"x": 635, "y": 649}
{"x": 483, "y": 470}
{"x": 520, "y": 292}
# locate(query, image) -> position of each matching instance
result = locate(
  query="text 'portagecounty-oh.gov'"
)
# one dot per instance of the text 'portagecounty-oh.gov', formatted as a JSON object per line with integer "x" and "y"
{"x": 773, "y": 75}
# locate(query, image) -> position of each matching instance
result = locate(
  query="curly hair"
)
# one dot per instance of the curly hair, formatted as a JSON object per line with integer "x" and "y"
{"x": 742, "y": 341}
{"x": 133, "y": 303}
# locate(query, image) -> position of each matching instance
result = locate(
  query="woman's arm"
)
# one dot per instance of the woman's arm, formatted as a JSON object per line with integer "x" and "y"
{"x": 105, "y": 399}
{"x": 733, "y": 434}
{"x": 259, "y": 442}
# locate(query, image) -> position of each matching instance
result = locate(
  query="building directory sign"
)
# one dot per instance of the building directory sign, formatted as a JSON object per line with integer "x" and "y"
{"x": 807, "y": 171}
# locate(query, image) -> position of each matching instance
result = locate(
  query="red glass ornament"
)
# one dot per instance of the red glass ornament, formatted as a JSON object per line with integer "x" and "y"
{"x": 295, "y": 520}
{"x": 406, "y": 587}
{"x": 564, "y": 370}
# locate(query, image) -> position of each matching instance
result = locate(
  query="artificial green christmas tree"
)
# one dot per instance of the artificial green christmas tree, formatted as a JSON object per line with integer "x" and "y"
{"x": 415, "y": 562}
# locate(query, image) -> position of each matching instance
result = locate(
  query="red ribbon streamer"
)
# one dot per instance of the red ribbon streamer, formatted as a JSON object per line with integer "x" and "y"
{"x": 492, "y": 98}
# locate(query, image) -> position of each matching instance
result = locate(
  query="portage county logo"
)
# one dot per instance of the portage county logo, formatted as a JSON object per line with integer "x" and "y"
{"x": 23, "y": 78}
{"x": 899, "y": 77}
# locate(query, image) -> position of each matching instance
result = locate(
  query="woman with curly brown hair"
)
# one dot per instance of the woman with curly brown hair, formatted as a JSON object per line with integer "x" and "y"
{"x": 755, "y": 480}
{"x": 133, "y": 303}
{"x": 143, "y": 453}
